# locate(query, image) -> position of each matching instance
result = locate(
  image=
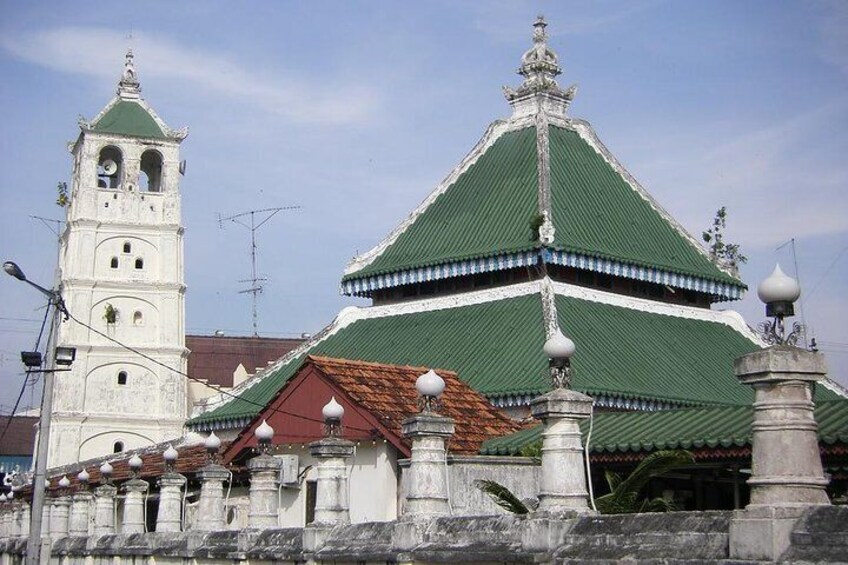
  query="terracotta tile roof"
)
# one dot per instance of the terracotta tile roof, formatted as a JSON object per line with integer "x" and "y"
{"x": 215, "y": 358}
{"x": 20, "y": 436}
{"x": 388, "y": 391}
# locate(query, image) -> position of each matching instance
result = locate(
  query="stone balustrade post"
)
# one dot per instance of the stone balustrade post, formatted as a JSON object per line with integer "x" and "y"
{"x": 169, "y": 516}
{"x": 15, "y": 530}
{"x": 104, "y": 510}
{"x": 59, "y": 517}
{"x": 563, "y": 478}
{"x": 331, "y": 496}
{"x": 133, "y": 518}
{"x": 26, "y": 518}
{"x": 5, "y": 521}
{"x": 427, "y": 492}
{"x": 786, "y": 469}
{"x": 210, "y": 511}
{"x": 80, "y": 513}
{"x": 46, "y": 513}
{"x": 264, "y": 501}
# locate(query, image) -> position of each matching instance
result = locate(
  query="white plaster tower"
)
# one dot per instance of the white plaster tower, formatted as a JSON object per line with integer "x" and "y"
{"x": 121, "y": 269}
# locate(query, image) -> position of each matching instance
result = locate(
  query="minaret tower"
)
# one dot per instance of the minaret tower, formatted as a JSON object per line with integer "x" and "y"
{"x": 121, "y": 270}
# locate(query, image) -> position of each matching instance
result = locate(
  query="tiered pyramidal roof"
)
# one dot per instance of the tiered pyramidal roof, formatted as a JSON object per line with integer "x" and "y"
{"x": 540, "y": 187}
{"x": 538, "y": 227}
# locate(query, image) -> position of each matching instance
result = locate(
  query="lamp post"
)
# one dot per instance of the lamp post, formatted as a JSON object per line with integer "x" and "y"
{"x": 63, "y": 356}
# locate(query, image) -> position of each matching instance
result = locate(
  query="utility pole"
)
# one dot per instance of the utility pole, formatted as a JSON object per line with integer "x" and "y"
{"x": 32, "y": 360}
{"x": 255, "y": 280}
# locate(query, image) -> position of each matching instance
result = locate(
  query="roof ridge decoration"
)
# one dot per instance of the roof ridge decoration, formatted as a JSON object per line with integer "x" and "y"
{"x": 129, "y": 92}
{"x": 129, "y": 87}
{"x": 539, "y": 67}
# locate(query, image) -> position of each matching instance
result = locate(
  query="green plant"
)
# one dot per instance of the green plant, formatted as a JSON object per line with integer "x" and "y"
{"x": 62, "y": 198}
{"x": 721, "y": 251}
{"x": 502, "y": 496}
{"x": 111, "y": 314}
{"x": 623, "y": 497}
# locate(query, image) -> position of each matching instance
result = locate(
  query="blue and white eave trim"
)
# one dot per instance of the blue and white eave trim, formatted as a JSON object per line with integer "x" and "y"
{"x": 601, "y": 401}
{"x": 647, "y": 274}
{"x": 365, "y": 286}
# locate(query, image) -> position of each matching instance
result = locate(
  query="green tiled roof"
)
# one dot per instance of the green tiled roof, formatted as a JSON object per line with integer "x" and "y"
{"x": 597, "y": 213}
{"x": 689, "y": 428}
{"x": 496, "y": 348}
{"x": 487, "y": 211}
{"x": 129, "y": 118}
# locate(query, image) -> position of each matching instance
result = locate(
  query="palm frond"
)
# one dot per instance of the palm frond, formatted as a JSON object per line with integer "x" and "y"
{"x": 502, "y": 496}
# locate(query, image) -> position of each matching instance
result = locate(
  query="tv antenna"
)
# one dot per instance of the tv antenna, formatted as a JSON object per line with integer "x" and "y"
{"x": 258, "y": 218}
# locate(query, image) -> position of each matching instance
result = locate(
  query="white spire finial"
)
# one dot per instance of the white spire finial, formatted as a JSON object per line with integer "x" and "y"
{"x": 129, "y": 85}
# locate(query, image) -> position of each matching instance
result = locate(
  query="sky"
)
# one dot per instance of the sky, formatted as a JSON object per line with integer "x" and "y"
{"x": 354, "y": 111}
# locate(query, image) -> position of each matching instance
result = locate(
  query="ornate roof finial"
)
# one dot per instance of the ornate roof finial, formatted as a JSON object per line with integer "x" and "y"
{"x": 129, "y": 86}
{"x": 540, "y": 67}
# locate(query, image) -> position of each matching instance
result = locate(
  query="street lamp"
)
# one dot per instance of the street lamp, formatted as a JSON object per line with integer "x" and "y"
{"x": 559, "y": 350}
{"x": 779, "y": 293}
{"x": 63, "y": 357}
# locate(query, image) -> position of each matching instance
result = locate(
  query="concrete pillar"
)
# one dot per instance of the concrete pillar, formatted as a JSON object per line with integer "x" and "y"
{"x": 563, "y": 479}
{"x": 26, "y": 518}
{"x": 46, "y": 512}
{"x": 59, "y": 517}
{"x": 427, "y": 493}
{"x": 786, "y": 470}
{"x": 80, "y": 513}
{"x": 104, "y": 510}
{"x": 133, "y": 519}
{"x": 210, "y": 511}
{"x": 264, "y": 501}
{"x": 169, "y": 516}
{"x": 331, "y": 493}
{"x": 785, "y": 461}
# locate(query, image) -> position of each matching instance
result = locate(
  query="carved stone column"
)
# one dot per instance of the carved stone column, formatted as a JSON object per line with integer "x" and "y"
{"x": 563, "y": 479}
{"x": 210, "y": 511}
{"x": 80, "y": 513}
{"x": 133, "y": 519}
{"x": 331, "y": 496}
{"x": 59, "y": 517}
{"x": 104, "y": 510}
{"x": 427, "y": 493}
{"x": 264, "y": 478}
{"x": 169, "y": 516}
{"x": 787, "y": 475}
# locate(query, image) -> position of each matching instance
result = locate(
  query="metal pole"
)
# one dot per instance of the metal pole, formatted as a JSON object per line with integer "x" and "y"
{"x": 34, "y": 545}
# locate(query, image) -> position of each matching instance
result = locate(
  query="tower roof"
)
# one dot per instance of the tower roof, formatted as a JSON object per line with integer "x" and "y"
{"x": 540, "y": 186}
{"x": 128, "y": 114}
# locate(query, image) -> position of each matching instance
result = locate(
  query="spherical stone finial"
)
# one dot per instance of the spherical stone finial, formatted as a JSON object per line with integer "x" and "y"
{"x": 170, "y": 455}
{"x": 64, "y": 482}
{"x": 264, "y": 432}
{"x": 135, "y": 462}
{"x": 559, "y": 346}
{"x": 430, "y": 384}
{"x": 332, "y": 410}
{"x": 2, "y": 498}
{"x": 106, "y": 469}
{"x": 778, "y": 287}
{"x": 11, "y": 495}
{"x": 83, "y": 476}
{"x": 212, "y": 442}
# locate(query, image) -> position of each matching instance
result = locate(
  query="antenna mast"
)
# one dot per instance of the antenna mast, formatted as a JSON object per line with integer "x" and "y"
{"x": 254, "y": 224}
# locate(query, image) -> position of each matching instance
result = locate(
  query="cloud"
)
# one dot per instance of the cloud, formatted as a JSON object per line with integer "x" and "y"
{"x": 95, "y": 52}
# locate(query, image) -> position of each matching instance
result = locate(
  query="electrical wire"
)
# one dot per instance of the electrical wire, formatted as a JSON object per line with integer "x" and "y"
{"x": 26, "y": 378}
{"x": 189, "y": 377}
